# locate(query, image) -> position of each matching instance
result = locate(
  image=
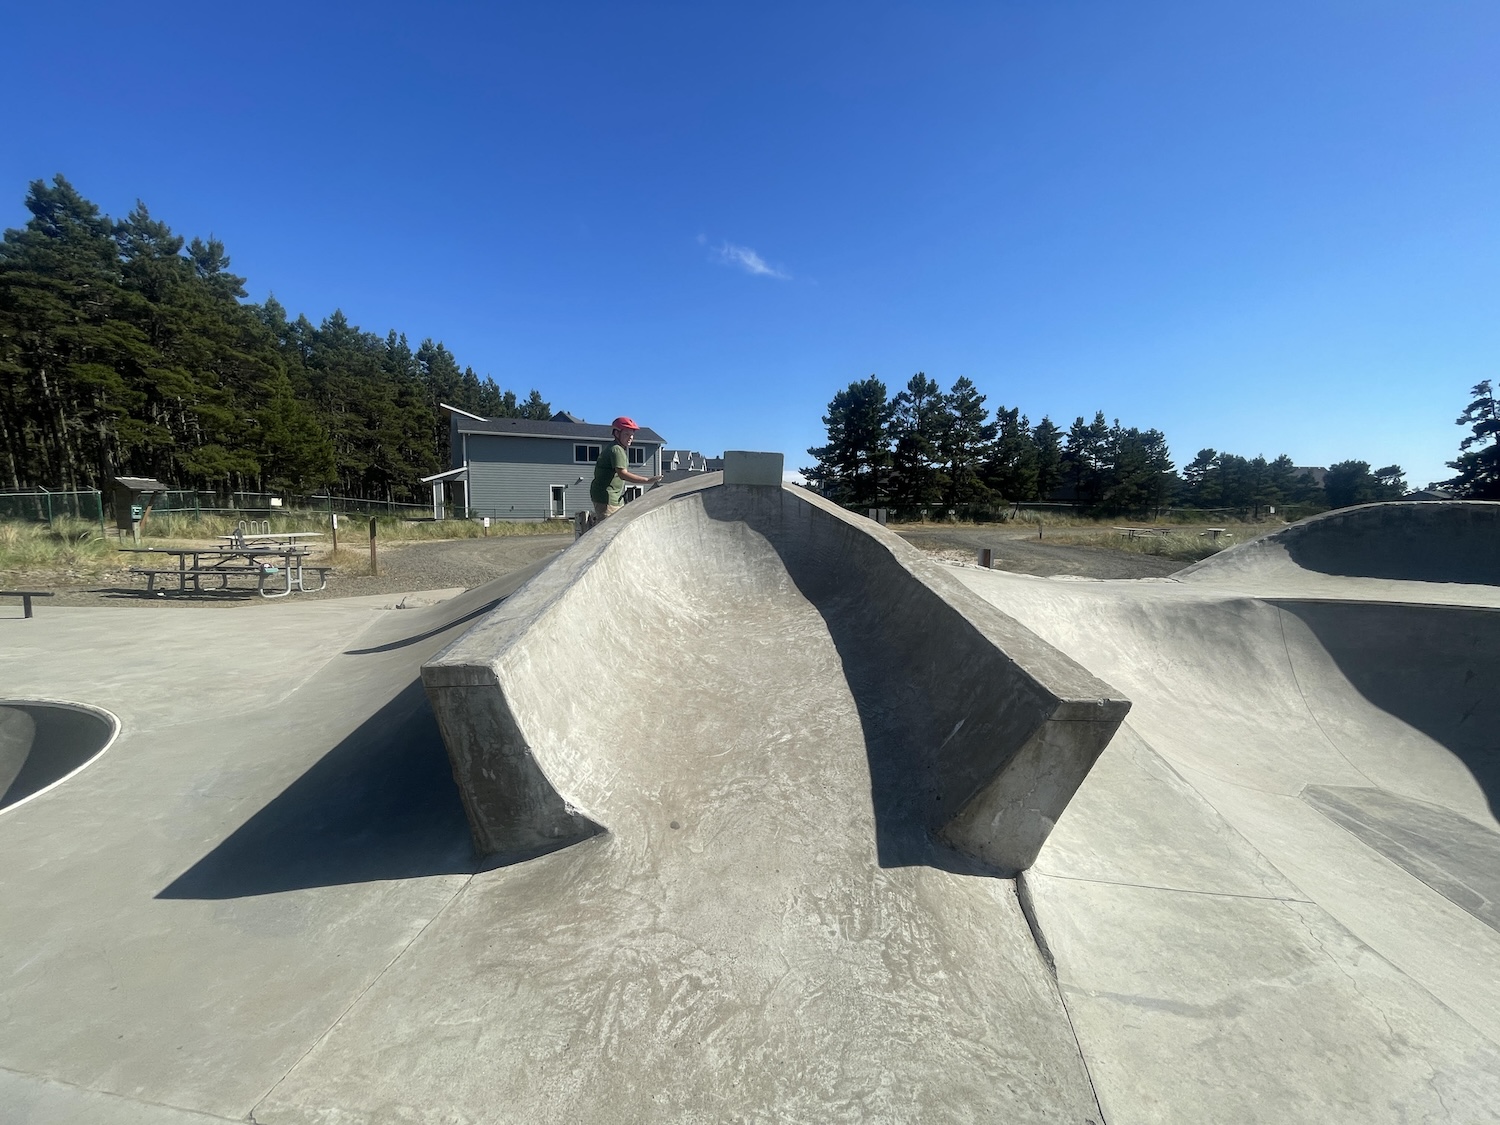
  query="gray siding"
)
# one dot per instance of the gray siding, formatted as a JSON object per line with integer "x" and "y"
{"x": 513, "y": 477}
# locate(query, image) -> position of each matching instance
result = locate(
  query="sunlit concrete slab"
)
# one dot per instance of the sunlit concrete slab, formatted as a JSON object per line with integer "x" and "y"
{"x": 189, "y": 913}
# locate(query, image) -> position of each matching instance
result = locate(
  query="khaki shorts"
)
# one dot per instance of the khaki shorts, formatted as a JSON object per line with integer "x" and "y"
{"x": 602, "y": 510}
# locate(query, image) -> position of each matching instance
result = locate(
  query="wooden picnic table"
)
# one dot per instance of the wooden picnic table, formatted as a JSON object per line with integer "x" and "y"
{"x": 233, "y": 561}
{"x": 1138, "y": 532}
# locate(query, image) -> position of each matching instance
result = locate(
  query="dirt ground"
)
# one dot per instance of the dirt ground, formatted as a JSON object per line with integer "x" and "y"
{"x": 1020, "y": 551}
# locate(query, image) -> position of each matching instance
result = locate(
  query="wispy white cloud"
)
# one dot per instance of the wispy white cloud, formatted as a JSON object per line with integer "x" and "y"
{"x": 746, "y": 259}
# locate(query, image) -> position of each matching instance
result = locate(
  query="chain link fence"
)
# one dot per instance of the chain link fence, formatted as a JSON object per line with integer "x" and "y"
{"x": 42, "y": 505}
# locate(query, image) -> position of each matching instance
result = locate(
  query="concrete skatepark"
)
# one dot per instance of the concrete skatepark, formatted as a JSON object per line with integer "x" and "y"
{"x": 754, "y": 813}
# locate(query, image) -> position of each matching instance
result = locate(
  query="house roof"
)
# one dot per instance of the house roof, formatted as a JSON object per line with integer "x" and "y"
{"x": 528, "y": 427}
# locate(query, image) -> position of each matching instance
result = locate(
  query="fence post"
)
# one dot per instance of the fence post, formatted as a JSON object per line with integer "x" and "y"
{"x": 334, "y": 520}
{"x": 99, "y": 507}
{"x": 374, "y": 564}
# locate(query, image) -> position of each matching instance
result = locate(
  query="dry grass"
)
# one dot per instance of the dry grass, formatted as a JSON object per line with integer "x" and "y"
{"x": 70, "y": 552}
{"x": 174, "y": 527}
{"x": 67, "y": 550}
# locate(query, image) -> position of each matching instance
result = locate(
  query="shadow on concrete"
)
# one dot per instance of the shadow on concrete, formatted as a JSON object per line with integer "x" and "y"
{"x": 379, "y": 805}
{"x": 1418, "y": 542}
{"x": 418, "y": 638}
{"x": 1434, "y": 667}
{"x": 912, "y": 787}
{"x": 1450, "y": 853}
{"x": 42, "y": 743}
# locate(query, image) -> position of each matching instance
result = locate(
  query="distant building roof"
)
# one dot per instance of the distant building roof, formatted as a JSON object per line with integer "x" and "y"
{"x": 528, "y": 427}
{"x": 564, "y": 416}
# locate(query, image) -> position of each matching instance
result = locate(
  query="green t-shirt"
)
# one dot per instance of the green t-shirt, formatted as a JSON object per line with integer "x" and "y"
{"x": 608, "y": 488}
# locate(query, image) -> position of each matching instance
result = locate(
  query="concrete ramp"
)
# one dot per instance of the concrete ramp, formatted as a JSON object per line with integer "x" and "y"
{"x": 975, "y": 732}
{"x": 1454, "y": 541}
{"x": 752, "y": 714}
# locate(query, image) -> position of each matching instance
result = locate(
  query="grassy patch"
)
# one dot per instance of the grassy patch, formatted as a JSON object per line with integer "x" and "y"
{"x": 67, "y": 550}
{"x": 183, "y": 528}
{"x": 1187, "y": 545}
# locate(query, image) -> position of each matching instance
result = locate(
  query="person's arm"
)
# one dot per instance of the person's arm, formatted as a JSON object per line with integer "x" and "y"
{"x": 635, "y": 478}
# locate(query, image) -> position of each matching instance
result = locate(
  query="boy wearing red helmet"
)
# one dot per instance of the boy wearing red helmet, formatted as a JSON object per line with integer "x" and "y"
{"x": 612, "y": 470}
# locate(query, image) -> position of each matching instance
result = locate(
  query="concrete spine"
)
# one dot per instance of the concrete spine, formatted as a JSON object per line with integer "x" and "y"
{"x": 977, "y": 731}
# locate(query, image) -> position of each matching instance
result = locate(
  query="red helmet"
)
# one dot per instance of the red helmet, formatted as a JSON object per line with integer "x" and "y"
{"x": 623, "y": 423}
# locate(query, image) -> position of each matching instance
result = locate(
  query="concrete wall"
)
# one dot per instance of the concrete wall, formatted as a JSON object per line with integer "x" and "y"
{"x": 977, "y": 732}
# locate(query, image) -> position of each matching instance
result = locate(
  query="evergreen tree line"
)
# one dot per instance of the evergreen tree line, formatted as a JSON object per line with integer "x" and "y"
{"x": 126, "y": 351}
{"x": 925, "y": 450}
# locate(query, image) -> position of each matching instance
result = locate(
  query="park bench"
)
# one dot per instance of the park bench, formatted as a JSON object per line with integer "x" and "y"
{"x": 1143, "y": 532}
{"x": 26, "y": 596}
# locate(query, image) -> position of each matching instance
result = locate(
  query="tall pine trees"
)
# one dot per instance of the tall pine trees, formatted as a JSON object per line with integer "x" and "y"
{"x": 125, "y": 349}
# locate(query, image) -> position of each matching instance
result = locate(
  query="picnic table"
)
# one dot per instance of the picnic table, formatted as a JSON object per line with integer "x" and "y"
{"x": 1143, "y": 532}
{"x": 262, "y": 561}
{"x": 240, "y": 539}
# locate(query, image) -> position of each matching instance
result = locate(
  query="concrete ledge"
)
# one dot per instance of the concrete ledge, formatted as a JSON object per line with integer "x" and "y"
{"x": 977, "y": 731}
{"x": 742, "y": 467}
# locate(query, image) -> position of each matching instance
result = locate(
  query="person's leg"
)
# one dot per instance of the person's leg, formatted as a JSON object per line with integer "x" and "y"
{"x": 602, "y": 510}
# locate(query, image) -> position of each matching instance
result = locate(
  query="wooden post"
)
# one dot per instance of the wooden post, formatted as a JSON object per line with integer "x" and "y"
{"x": 374, "y": 563}
{"x": 333, "y": 519}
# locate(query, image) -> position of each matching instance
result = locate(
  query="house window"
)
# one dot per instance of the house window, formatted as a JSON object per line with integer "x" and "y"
{"x": 637, "y": 454}
{"x": 583, "y": 454}
{"x": 632, "y": 493}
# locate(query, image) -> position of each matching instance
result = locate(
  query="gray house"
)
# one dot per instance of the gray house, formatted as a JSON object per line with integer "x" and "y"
{"x": 518, "y": 469}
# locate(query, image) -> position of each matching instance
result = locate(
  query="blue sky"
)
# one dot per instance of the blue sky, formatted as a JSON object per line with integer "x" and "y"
{"x": 1265, "y": 228}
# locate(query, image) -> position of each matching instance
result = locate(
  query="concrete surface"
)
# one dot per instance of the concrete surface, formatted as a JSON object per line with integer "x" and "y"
{"x": 1292, "y": 845}
{"x": 1272, "y": 899}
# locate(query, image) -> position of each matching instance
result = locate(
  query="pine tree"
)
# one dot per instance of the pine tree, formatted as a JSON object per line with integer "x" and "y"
{"x": 1084, "y": 457}
{"x": 915, "y": 429}
{"x": 1013, "y": 470}
{"x": 1478, "y": 461}
{"x": 1049, "y": 457}
{"x": 849, "y": 468}
{"x": 965, "y": 445}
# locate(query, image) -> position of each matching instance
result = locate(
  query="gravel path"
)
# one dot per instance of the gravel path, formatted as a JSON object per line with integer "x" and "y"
{"x": 1022, "y": 553}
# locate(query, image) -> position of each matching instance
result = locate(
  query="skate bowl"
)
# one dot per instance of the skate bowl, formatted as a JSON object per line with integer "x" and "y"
{"x": 1455, "y": 541}
{"x": 976, "y": 732}
{"x": 1293, "y": 838}
{"x": 44, "y": 743}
